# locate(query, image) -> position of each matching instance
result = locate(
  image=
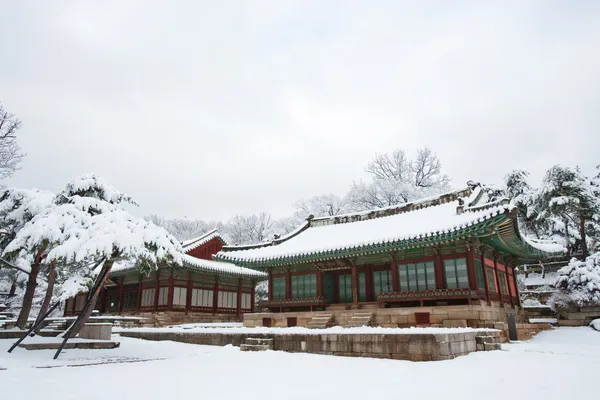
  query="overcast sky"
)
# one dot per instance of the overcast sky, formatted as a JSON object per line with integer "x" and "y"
{"x": 207, "y": 109}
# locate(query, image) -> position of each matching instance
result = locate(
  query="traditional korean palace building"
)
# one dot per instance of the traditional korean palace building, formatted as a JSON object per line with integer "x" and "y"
{"x": 201, "y": 290}
{"x": 448, "y": 260}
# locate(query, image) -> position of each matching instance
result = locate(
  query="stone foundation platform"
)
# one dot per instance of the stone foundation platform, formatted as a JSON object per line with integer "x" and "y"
{"x": 476, "y": 315}
{"x": 71, "y": 345}
{"x": 408, "y": 346}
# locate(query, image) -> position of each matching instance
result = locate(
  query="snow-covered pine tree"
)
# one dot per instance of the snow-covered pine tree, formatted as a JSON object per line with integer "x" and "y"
{"x": 565, "y": 208}
{"x": 17, "y": 208}
{"x": 86, "y": 226}
{"x": 567, "y": 205}
{"x": 578, "y": 284}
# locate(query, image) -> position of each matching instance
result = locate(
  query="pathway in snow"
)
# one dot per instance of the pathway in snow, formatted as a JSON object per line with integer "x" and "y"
{"x": 556, "y": 364}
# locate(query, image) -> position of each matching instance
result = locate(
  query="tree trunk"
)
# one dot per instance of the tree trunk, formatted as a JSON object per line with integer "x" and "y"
{"x": 49, "y": 292}
{"x": 13, "y": 288}
{"x": 584, "y": 247}
{"x": 568, "y": 243}
{"x": 29, "y": 291}
{"x": 93, "y": 297}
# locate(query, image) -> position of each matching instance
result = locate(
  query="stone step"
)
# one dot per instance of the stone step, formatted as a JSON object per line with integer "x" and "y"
{"x": 255, "y": 347}
{"x": 259, "y": 341}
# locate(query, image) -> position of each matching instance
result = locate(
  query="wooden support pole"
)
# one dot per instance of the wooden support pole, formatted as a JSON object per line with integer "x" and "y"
{"x": 395, "y": 275}
{"x": 188, "y": 297}
{"x": 517, "y": 295}
{"x": 140, "y": 291}
{"x": 121, "y": 294}
{"x": 471, "y": 269}
{"x": 215, "y": 296}
{"x": 288, "y": 285}
{"x": 440, "y": 274}
{"x": 239, "y": 298}
{"x": 354, "y": 285}
{"x": 270, "y": 285}
{"x": 171, "y": 291}
{"x": 508, "y": 286}
{"x": 252, "y": 294}
{"x": 157, "y": 291}
{"x": 499, "y": 286}
{"x": 485, "y": 278}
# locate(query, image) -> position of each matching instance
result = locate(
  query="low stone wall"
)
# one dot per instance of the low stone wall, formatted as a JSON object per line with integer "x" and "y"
{"x": 165, "y": 318}
{"x": 577, "y": 316}
{"x": 97, "y": 331}
{"x": 413, "y": 347}
{"x": 477, "y": 315}
{"x": 526, "y": 331}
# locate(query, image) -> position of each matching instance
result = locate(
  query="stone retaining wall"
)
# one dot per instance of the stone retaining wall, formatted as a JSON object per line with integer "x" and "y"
{"x": 413, "y": 347}
{"x": 577, "y": 316}
{"x": 479, "y": 315}
{"x": 165, "y": 318}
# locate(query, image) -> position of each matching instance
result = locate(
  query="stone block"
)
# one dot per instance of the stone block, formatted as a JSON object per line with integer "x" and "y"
{"x": 484, "y": 339}
{"x": 500, "y": 326}
{"x": 479, "y": 347}
{"x": 463, "y": 315}
{"x": 492, "y": 346}
{"x": 97, "y": 331}
{"x": 454, "y": 323}
{"x": 458, "y": 347}
{"x": 383, "y": 319}
{"x": 399, "y": 319}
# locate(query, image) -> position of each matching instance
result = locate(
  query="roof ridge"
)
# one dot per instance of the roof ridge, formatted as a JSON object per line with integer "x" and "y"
{"x": 191, "y": 244}
{"x": 382, "y": 212}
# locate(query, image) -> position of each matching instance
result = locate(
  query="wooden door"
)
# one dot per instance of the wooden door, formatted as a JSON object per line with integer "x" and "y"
{"x": 328, "y": 288}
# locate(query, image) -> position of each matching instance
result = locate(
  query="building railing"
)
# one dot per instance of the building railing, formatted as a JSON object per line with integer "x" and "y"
{"x": 428, "y": 295}
{"x": 294, "y": 302}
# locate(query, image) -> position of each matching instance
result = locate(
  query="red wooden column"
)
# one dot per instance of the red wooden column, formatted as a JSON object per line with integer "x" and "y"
{"x": 440, "y": 275}
{"x": 517, "y": 295}
{"x": 188, "y": 297}
{"x": 171, "y": 291}
{"x": 239, "y": 298}
{"x": 485, "y": 278}
{"x": 252, "y": 293}
{"x": 471, "y": 269}
{"x": 319, "y": 283}
{"x": 121, "y": 294}
{"x": 395, "y": 276}
{"x": 270, "y": 286}
{"x": 369, "y": 292}
{"x": 506, "y": 267}
{"x": 157, "y": 290}
{"x": 354, "y": 285}
{"x": 140, "y": 289}
{"x": 498, "y": 288}
{"x": 215, "y": 295}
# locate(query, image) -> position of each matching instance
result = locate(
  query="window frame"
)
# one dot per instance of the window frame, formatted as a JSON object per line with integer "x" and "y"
{"x": 452, "y": 264}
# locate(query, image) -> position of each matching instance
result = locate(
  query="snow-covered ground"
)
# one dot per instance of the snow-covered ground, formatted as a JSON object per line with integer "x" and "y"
{"x": 557, "y": 364}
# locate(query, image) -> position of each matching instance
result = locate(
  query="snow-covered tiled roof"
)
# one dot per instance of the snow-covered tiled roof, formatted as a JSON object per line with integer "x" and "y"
{"x": 220, "y": 267}
{"x": 419, "y": 220}
{"x": 208, "y": 266}
{"x": 191, "y": 244}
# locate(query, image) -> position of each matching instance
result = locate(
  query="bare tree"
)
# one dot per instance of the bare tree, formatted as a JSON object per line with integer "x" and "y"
{"x": 396, "y": 179}
{"x": 10, "y": 151}
{"x": 319, "y": 206}
{"x": 251, "y": 229}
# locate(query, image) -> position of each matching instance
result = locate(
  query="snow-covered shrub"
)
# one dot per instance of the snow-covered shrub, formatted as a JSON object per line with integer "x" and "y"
{"x": 578, "y": 284}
